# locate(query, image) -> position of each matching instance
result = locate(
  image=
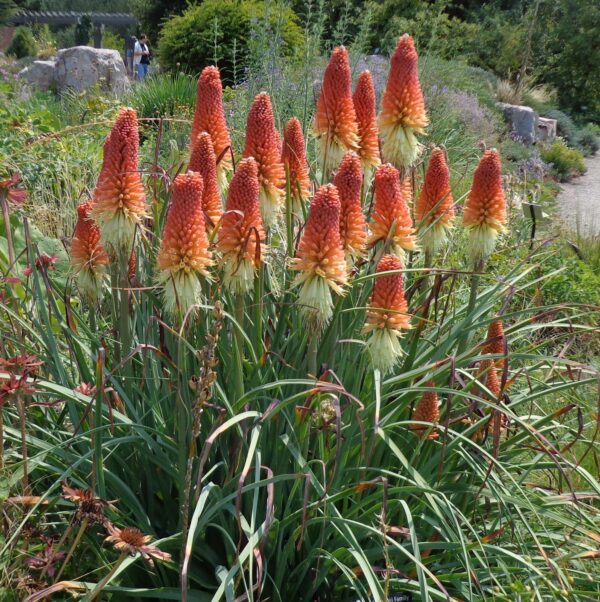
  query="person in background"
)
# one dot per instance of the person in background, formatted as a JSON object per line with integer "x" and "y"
{"x": 141, "y": 57}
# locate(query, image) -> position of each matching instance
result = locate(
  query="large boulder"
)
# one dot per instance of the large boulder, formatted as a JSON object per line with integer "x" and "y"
{"x": 546, "y": 129}
{"x": 83, "y": 67}
{"x": 523, "y": 122}
{"x": 40, "y": 74}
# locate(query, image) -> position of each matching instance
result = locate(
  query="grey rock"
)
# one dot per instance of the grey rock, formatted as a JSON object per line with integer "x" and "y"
{"x": 82, "y": 67}
{"x": 40, "y": 74}
{"x": 523, "y": 122}
{"x": 546, "y": 129}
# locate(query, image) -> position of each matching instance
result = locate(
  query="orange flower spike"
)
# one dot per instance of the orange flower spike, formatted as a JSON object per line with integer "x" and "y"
{"x": 434, "y": 210}
{"x": 209, "y": 116}
{"x": 403, "y": 113}
{"x": 387, "y": 314}
{"x": 353, "y": 229}
{"x": 366, "y": 116}
{"x": 119, "y": 204}
{"x": 335, "y": 125}
{"x": 485, "y": 209}
{"x": 184, "y": 255}
{"x": 427, "y": 410}
{"x": 495, "y": 342}
{"x": 241, "y": 235}
{"x": 390, "y": 219}
{"x": 407, "y": 190}
{"x": 263, "y": 143}
{"x": 320, "y": 260}
{"x": 293, "y": 157}
{"x": 203, "y": 161}
{"x": 88, "y": 257}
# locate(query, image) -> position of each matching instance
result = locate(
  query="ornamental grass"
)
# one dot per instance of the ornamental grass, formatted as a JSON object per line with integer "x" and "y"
{"x": 285, "y": 397}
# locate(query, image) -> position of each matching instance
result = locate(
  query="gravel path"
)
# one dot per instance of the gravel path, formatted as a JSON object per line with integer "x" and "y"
{"x": 579, "y": 200}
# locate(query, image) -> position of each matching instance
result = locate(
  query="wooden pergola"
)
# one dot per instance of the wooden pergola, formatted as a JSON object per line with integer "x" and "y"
{"x": 99, "y": 20}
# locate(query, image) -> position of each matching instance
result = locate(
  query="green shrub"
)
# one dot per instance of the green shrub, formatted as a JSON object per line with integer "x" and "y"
{"x": 588, "y": 138}
{"x": 566, "y": 162}
{"x": 565, "y": 126}
{"x": 164, "y": 95}
{"x": 220, "y": 31}
{"x": 23, "y": 44}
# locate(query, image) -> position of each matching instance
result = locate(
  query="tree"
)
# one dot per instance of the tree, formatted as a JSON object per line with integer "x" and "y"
{"x": 23, "y": 44}
{"x": 7, "y": 9}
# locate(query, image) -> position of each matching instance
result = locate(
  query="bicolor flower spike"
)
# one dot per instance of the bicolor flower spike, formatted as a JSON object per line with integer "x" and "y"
{"x": 390, "y": 219}
{"x": 335, "y": 125}
{"x": 203, "y": 161}
{"x": 241, "y": 235}
{"x": 365, "y": 106}
{"x": 88, "y": 256}
{"x": 184, "y": 257}
{"x": 485, "y": 209}
{"x": 434, "y": 210}
{"x": 293, "y": 156}
{"x": 119, "y": 201}
{"x": 209, "y": 116}
{"x": 402, "y": 114}
{"x": 320, "y": 259}
{"x": 387, "y": 314}
{"x": 495, "y": 342}
{"x": 427, "y": 410}
{"x": 263, "y": 143}
{"x": 353, "y": 228}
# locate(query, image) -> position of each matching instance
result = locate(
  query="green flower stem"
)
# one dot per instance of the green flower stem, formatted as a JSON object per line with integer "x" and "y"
{"x": 238, "y": 345}
{"x": 98, "y": 589}
{"x": 76, "y": 541}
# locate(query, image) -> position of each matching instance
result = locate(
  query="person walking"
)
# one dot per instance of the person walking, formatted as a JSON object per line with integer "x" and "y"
{"x": 141, "y": 57}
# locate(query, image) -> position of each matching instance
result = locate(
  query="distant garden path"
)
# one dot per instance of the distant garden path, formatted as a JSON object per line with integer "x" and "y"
{"x": 579, "y": 200}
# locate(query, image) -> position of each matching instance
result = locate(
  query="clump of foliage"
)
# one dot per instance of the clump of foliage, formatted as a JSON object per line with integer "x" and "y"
{"x": 83, "y": 31}
{"x": 23, "y": 44}
{"x": 220, "y": 32}
{"x": 164, "y": 95}
{"x": 588, "y": 138}
{"x": 566, "y": 162}
{"x": 565, "y": 126}
{"x": 269, "y": 459}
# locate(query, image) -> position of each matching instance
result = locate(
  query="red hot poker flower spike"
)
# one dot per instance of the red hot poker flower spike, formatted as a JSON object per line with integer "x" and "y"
{"x": 119, "y": 199}
{"x": 485, "y": 209}
{"x": 390, "y": 220}
{"x": 402, "y": 107}
{"x": 353, "y": 229}
{"x": 209, "y": 117}
{"x": 335, "y": 123}
{"x": 88, "y": 256}
{"x": 241, "y": 235}
{"x": 320, "y": 260}
{"x": 434, "y": 210}
{"x": 293, "y": 156}
{"x": 263, "y": 143}
{"x": 203, "y": 161}
{"x": 366, "y": 117}
{"x": 427, "y": 410}
{"x": 183, "y": 255}
{"x": 387, "y": 315}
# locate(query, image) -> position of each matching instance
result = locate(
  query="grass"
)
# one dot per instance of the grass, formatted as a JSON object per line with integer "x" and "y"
{"x": 269, "y": 481}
